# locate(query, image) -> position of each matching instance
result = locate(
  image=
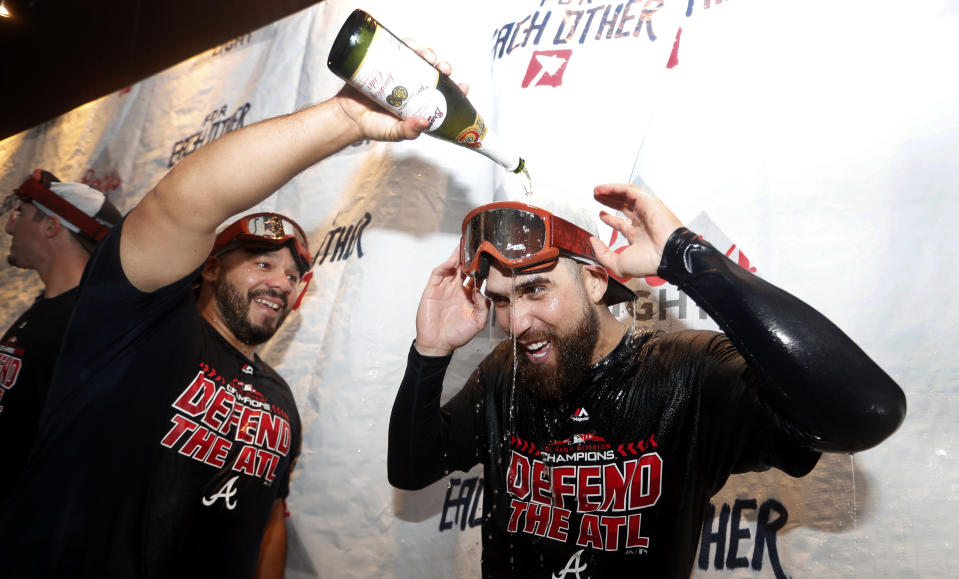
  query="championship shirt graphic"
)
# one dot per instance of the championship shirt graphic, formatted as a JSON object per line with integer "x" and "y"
{"x": 583, "y": 491}
{"x": 228, "y": 426}
{"x": 11, "y": 360}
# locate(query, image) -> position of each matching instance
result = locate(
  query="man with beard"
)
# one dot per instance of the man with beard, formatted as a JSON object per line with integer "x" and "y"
{"x": 601, "y": 449}
{"x": 166, "y": 444}
{"x": 52, "y": 229}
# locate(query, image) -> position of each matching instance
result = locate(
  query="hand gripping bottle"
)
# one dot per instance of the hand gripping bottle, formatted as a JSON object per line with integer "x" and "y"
{"x": 369, "y": 57}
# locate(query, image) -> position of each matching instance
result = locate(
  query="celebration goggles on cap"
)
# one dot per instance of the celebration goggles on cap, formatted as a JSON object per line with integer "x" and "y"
{"x": 268, "y": 231}
{"x": 525, "y": 239}
{"x": 36, "y": 188}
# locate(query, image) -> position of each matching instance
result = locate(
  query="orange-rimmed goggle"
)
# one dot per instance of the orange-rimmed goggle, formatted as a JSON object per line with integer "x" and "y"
{"x": 266, "y": 231}
{"x": 520, "y": 237}
{"x": 269, "y": 231}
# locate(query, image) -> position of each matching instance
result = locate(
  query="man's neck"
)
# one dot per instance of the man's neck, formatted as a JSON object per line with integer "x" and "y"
{"x": 209, "y": 313}
{"x": 61, "y": 275}
{"x": 611, "y": 332}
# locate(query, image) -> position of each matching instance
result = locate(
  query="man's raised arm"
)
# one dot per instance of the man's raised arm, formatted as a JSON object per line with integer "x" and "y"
{"x": 171, "y": 231}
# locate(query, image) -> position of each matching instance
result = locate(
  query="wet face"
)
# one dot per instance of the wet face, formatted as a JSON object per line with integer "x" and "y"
{"x": 555, "y": 326}
{"x": 25, "y": 229}
{"x": 254, "y": 292}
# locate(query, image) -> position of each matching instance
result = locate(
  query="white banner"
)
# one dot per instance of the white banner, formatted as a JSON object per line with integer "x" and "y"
{"x": 813, "y": 143}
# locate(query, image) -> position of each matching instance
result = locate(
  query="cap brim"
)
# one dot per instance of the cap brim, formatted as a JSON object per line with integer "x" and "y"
{"x": 617, "y": 292}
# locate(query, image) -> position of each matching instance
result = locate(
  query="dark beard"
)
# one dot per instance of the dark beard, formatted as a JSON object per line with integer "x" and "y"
{"x": 235, "y": 311}
{"x": 573, "y": 354}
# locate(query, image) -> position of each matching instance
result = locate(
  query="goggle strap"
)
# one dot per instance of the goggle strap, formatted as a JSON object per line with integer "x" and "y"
{"x": 33, "y": 190}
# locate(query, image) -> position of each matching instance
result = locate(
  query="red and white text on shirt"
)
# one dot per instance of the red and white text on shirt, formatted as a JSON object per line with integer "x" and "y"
{"x": 606, "y": 496}
{"x": 210, "y": 413}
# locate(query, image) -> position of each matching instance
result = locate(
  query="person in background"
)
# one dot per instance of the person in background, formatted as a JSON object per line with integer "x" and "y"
{"x": 602, "y": 443}
{"x": 166, "y": 444}
{"x": 53, "y": 228}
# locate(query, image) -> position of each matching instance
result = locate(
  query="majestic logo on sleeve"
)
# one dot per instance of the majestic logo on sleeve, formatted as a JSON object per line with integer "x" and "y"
{"x": 228, "y": 425}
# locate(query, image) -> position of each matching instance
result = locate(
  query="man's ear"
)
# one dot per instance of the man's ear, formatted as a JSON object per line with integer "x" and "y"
{"x": 211, "y": 269}
{"x": 596, "y": 280}
{"x": 52, "y": 226}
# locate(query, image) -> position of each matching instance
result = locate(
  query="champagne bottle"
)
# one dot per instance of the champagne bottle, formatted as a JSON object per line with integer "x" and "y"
{"x": 371, "y": 58}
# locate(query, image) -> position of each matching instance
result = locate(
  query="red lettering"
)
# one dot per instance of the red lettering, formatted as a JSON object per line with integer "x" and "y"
{"x": 540, "y": 484}
{"x": 646, "y": 485}
{"x": 633, "y": 538}
{"x": 269, "y": 431}
{"x": 589, "y": 533}
{"x": 616, "y": 484}
{"x": 199, "y": 444}
{"x": 248, "y": 422}
{"x": 562, "y": 489}
{"x": 537, "y": 519}
{"x": 517, "y": 481}
{"x": 219, "y": 409}
{"x": 196, "y": 396}
{"x": 266, "y": 464}
{"x": 587, "y": 489}
{"x": 9, "y": 370}
{"x": 219, "y": 451}
{"x": 612, "y": 525}
{"x": 181, "y": 424}
{"x": 517, "y": 507}
{"x": 246, "y": 461}
{"x": 559, "y": 525}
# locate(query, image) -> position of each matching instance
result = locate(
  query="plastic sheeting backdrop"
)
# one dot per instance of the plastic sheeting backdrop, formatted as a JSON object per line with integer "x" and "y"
{"x": 814, "y": 143}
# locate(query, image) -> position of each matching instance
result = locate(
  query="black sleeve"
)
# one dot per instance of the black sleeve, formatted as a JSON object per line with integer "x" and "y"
{"x": 427, "y": 441}
{"x": 835, "y": 398}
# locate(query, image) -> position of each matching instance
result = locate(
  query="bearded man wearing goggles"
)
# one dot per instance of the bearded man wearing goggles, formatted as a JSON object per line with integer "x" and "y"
{"x": 166, "y": 445}
{"x": 602, "y": 443}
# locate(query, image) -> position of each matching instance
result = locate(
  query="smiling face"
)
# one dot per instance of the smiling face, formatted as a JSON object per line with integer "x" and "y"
{"x": 555, "y": 325}
{"x": 253, "y": 292}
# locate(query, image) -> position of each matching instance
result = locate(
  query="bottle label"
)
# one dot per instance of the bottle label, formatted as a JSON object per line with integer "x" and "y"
{"x": 472, "y": 136}
{"x": 399, "y": 80}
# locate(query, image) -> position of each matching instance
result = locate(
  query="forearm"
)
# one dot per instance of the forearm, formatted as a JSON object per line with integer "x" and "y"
{"x": 812, "y": 373}
{"x": 416, "y": 448}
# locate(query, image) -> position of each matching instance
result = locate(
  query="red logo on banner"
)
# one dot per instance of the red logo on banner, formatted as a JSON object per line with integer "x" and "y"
{"x": 546, "y": 68}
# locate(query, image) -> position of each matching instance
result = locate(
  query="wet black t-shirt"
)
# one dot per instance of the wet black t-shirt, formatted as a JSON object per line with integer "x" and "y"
{"x": 28, "y": 352}
{"x": 162, "y": 448}
{"x": 613, "y": 480}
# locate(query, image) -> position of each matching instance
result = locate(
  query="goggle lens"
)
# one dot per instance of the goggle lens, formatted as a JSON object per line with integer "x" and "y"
{"x": 514, "y": 233}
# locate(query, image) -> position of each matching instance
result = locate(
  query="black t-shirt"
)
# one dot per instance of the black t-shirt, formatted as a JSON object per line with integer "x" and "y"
{"x": 28, "y": 352}
{"x": 162, "y": 448}
{"x": 612, "y": 481}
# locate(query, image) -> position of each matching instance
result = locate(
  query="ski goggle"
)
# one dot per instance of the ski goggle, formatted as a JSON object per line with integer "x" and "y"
{"x": 520, "y": 237}
{"x": 526, "y": 239}
{"x": 35, "y": 189}
{"x": 266, "y": 231}
{"x": 269, "y": 231}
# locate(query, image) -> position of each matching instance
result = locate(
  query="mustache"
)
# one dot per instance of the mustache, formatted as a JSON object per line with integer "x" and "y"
{"x": 267, "y": 292}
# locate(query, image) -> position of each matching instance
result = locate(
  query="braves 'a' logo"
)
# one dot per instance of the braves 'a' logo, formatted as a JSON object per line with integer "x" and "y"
{"x": 574, "y": 566}
{"x": 226, "y": 492}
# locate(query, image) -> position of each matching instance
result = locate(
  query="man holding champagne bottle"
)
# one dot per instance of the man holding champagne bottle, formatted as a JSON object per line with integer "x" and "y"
{"x": 602, "y": 443}
{"x": 166, "y": 445}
